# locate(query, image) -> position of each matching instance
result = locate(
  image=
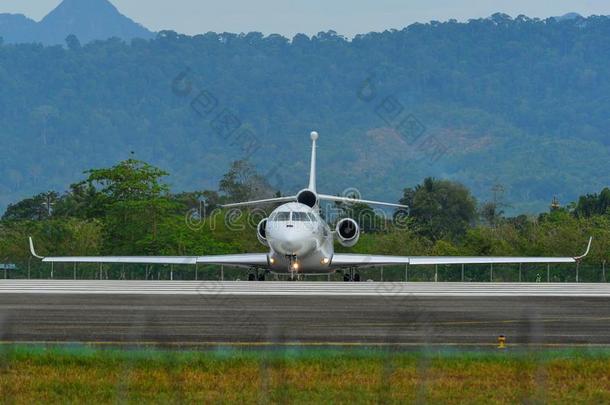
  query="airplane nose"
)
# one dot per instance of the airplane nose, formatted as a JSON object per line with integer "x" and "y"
{"x": 292, "y": 241}
{"x": 290, "y": 248}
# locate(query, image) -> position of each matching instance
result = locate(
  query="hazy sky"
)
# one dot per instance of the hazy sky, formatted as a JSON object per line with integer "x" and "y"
{"x": 348, "y": 17}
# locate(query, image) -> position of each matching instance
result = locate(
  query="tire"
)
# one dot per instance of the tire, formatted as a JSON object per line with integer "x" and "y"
{"x": 357, "y": 278}
{"x": 251, "y": 277}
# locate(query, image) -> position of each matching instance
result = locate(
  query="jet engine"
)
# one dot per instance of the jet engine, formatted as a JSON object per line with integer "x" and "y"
{"x": 307, "y": 197}
{"x": 261, "y": 232}
{"x": 348, "y": 232}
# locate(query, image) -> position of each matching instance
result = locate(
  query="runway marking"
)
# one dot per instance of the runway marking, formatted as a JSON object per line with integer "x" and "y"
{"x": 468, "y": 323}
{"x": 214, "y": 288}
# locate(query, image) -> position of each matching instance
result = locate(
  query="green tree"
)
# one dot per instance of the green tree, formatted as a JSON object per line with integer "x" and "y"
{"x": 134, "y": 201}
{"x": 440, "y": 208}
{"x": 368, "y": 219}
{"x": 242, "y": 183}
{"x": 491, "y": 213}
{"x": 82, "y": 201}
{"x": 35, "y": 208}
{"x": 593, "y": 204}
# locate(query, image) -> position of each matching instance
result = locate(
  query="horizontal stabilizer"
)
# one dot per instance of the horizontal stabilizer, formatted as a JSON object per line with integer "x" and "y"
{"x": 261, "y": 202}
{"x": 359, "y": 201}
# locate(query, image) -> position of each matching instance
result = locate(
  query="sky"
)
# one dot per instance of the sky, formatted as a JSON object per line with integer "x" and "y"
{"x": 288, "y": 17}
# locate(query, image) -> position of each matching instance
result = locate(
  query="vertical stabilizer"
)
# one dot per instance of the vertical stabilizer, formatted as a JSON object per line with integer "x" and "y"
{"x": 312, "y": 170}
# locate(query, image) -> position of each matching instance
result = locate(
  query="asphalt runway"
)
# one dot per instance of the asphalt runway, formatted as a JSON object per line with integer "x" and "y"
{"x": 295, "y": 313}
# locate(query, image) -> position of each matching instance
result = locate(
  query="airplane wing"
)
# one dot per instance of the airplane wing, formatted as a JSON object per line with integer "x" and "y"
{"x": 342, "y": 260}
{"x": 242, "y": 260}
{"x": 239, "y": 260}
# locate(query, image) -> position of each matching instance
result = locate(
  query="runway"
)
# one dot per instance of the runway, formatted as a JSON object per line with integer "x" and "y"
{"x": 295, "y": 313}
{"x": 326, "y": 289}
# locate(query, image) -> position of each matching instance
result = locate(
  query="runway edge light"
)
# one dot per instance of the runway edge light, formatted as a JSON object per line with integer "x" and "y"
{"x": 501, "y": 342}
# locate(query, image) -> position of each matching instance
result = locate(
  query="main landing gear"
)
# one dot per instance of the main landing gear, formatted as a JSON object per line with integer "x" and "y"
{"x": 351, "y": 275}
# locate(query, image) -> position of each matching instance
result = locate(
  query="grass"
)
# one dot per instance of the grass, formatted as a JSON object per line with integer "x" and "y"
{"x": 300, "y": 376}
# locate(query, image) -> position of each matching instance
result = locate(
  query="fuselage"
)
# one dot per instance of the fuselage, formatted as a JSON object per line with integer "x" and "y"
{"x": 299, "y": 239}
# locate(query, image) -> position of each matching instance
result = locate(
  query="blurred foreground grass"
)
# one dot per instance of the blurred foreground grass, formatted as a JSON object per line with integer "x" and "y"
{"x": 87, "y": 375}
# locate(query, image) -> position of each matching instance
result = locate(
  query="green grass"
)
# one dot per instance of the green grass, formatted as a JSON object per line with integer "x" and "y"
{"x": 84, "y": 374}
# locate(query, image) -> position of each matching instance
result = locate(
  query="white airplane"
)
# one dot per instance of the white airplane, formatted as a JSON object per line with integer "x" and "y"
{"x": 301, "y": 242}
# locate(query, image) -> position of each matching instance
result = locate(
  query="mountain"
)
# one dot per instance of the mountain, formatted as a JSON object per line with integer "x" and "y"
{"x": 568, "y": 16}
{"x": 17, "y": 28}
{"x": 89, "y": 20}
{"x": 522, "y": 103}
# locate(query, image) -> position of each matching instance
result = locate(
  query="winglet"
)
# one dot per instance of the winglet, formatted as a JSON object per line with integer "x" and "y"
{"x": 587, "y": 252}
{"x": 32, "y": 251}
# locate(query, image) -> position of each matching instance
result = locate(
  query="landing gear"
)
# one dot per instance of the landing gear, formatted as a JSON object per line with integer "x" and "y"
{"x": 351, "y": 275}
{"x": 293, "y": 266}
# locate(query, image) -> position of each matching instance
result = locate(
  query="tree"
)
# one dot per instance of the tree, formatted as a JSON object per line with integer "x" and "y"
{"x": 364, "y": 215}
{"x": 494, "y": 104}
{"x": 198, "y": 204}
{"x": 440, "y": 208}
{"x": 35, "y": 208}
{"x": 127, "y": 209}
{"x": 134, "y": 201}
{"x": 243, "y": 183}
{"x": 82, "y": 201}
{"x": 491, "y": 213}
{"x": 73, "y": 43}
{"x": 593, "y": 204}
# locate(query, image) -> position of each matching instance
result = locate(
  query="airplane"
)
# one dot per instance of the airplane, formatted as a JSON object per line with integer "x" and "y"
{"x": 301, "y": 242}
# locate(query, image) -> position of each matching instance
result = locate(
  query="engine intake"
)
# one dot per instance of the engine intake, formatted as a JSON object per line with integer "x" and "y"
{"x": 261, "y": 232}
{"x": 348, "y": 232}
{"x": 307, "y": 197}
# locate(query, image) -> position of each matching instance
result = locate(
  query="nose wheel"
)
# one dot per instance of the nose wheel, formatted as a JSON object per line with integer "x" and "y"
{"x": 293, "y": 266}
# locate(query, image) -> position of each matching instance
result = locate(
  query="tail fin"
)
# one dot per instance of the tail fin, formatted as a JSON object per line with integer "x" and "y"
{"x": 312, "y": 170}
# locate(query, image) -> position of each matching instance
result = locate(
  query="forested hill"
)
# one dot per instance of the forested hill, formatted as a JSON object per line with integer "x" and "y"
{"x": 522, "y": 103}
{"x": 88, "y": 19}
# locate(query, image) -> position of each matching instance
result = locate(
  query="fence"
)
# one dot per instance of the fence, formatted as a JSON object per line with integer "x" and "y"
{"x": 582, "y": 272}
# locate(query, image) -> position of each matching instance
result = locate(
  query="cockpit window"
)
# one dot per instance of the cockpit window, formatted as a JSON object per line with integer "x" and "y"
{"x": 300, "y": 217}
{"x": 311, "y": 216}
{"x": 281, "y": 216}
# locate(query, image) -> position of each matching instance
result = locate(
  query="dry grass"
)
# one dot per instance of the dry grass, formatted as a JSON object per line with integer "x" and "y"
{"x": 37, "y": 375}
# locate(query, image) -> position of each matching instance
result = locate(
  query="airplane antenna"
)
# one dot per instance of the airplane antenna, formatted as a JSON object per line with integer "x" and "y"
{"x": 312, "y": 171}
